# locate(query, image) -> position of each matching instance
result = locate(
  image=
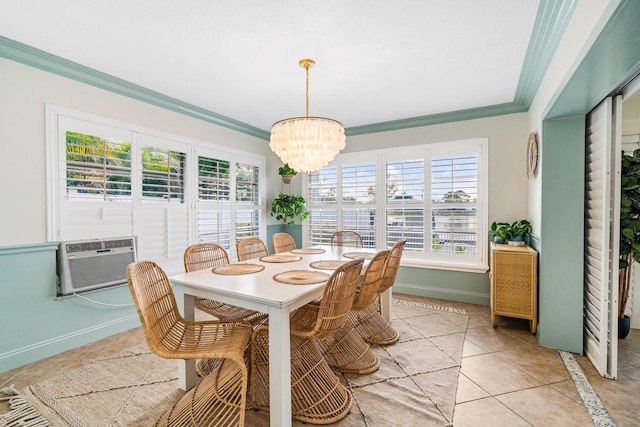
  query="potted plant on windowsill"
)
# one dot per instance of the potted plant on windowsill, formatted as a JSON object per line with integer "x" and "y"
{"x": 289, "y": 206}
{"x": 287, "y": 173}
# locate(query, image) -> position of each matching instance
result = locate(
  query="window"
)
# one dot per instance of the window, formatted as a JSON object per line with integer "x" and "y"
{"x": 163, "y": 174}
{"x": 97, "y": 167}
{"x": 113, "y": 179}
{"x": 431, "y": 195}
{"x": 214, "y": 201}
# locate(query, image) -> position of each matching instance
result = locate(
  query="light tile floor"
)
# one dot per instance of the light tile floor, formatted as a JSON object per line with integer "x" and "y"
{"x": 506, "y": 378}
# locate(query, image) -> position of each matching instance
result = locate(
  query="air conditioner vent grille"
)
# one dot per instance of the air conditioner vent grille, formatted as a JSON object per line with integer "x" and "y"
{"x": 94, "y": 264}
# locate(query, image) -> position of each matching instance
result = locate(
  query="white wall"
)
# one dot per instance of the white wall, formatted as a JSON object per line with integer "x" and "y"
{"x": 22, "y": 135}
{"x": 25, "y": 91}
{"x": 507, "y": 154}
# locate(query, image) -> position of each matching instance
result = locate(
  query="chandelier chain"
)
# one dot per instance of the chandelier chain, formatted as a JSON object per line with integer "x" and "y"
{"x": 306, "y": 67}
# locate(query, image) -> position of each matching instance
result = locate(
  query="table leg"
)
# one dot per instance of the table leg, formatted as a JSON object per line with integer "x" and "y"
{"x": 385, "y": 304}
{"x": 279, "y": 367}
{"x": 186, "y": 368}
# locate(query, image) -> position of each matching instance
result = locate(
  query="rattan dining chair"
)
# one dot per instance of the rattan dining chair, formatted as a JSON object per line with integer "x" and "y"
{"x": 282, "y": 242}
{"x": 344, "y": 350}
{"x": 202, "y": 256}
{"x": 369, "y": 323}
{"x": 251, "y": 248}
{"x": 346, "y": 238}
{"x": 317, "y": 396}
{"x": 220, "y": 399}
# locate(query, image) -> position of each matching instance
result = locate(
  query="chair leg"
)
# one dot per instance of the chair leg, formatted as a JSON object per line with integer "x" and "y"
{"x": 317, "y": 396}
{"x": 345, "y": 351}
{"x": 372, "y": 327}
{"x": 219, "y": 399}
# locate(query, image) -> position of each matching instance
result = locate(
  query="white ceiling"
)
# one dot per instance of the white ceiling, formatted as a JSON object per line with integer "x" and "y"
{"x": 377, "y": 60}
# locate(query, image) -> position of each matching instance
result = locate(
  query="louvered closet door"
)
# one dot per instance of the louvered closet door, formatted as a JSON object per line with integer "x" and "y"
{"x": 602, "y": 214}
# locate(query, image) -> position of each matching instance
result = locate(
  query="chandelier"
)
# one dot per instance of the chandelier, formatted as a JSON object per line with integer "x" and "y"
{"x": 307, "y": 143}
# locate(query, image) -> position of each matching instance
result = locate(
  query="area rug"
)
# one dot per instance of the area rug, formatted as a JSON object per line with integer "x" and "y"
{"x": 415, "y": 385}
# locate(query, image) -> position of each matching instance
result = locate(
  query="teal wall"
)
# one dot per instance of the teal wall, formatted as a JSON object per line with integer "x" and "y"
{"x": 613, "y": 59}
{"x": 443, "y": 284}
{"x": 561, "y": 249}
{"x": 36, "y": 324}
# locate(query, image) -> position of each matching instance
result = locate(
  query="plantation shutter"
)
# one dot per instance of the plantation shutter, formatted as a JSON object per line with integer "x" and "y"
{"x": 359, "y": 201}
{"x": 214, "y": 201}
{"x": 405, "y": 186}
{"x": 94, "y": 181}
{"x": 163, "y": 230}
{"x": 454, "y": 206}
{"x": 247, "y": 207}
{"x": 322, "y": 204}
{"x": 601, "y": 239}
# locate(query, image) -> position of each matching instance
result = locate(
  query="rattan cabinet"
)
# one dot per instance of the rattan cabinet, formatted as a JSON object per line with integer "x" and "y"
{"x": 514, "y": 283}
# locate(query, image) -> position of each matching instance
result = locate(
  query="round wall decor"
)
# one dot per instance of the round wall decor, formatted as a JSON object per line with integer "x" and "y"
{"x": 532, "y": 155}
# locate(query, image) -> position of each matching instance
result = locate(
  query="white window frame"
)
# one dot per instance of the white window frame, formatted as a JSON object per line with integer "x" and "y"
{"x": 426, "y": 259}
{"x": 57, "y": 220}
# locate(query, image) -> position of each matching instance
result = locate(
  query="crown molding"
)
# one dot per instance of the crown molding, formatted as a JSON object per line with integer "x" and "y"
{"x": 436, "y": 119}
{"x": 44, "y": 61}
{"x": 549, "y": 27}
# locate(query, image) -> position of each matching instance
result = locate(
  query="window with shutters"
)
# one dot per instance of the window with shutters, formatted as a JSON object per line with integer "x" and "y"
{"x": 97, "y": 167}
{"x": 432, "y": 195}
{"x": 112, "y": 179}
{"x": 247, "y": 207}
{"x": 163, "y": 175}
{"x": 322, "y": 203}
{"x": 214, "y": 201}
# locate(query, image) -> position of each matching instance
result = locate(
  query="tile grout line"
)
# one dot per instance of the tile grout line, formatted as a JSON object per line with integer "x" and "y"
{"x": 592, "y": 402}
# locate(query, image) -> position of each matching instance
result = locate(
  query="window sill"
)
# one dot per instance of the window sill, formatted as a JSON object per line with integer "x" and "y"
{"x": 466, "y": 268}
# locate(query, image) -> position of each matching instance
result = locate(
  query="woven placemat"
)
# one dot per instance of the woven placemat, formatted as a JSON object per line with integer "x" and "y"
{"x": 301, "y": 277}
{"x": 308, "y": 251}
{"x": 354, "y": 255}
{"x": 280, "y": 258}
{"x": 237, "y": 269}
{"x": 330, "y": 264}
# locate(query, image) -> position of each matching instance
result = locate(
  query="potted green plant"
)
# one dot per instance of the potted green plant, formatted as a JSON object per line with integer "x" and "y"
{"x": 517, "y": 231}
{"x": 629, "y": 233}
{"x": 289, "y": 206}
{"x": 520, "y": 230}
{"x": 287, "y": 173}
{"x": 501, "y": 232}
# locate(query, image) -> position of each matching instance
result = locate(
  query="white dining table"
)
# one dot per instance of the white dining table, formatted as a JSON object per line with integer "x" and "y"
{"x": 260, "y": 291}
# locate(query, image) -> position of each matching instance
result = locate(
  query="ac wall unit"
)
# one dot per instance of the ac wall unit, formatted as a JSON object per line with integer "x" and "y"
{"x": 85, "y": 265}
